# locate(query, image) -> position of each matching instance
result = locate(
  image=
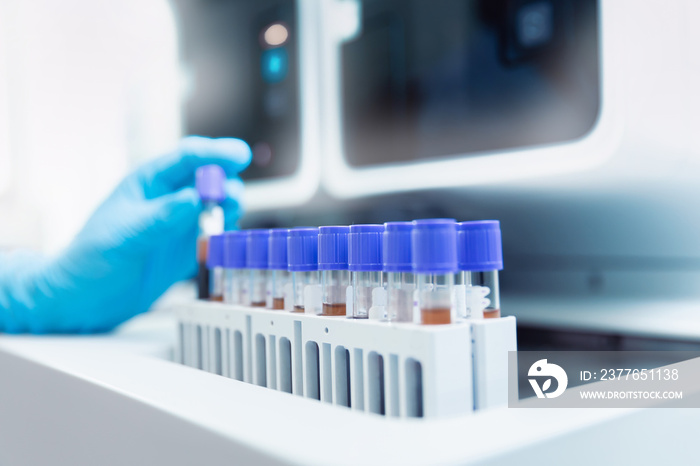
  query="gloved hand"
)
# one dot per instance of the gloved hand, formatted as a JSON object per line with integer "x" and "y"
{"x": 140, "y": 241}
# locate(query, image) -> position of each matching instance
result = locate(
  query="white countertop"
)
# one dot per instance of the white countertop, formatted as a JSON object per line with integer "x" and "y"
{"x": 117, "y": 399}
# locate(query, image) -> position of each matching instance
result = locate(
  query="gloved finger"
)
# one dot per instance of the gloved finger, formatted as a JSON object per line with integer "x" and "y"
{"x": 233, "y": 205}
{"x": 176, "y": 212}
{"x": 234, "y": 194}
{"x": 177, "y": 170}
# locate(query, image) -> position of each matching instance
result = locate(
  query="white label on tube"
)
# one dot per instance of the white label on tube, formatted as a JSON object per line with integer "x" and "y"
{"x": 211, "y": 221}
{"x": 228, "y": 286}
{"x": 268, "y": 292}
{"x": 378, "y": 296}
{"x": 476, "y": 301}
{"x": 461, "y": 302}
{"x": 288, "y": 297}
{"x": 313, "y": 299}
{"x": 378, "y": 309}
{"x": 416, "y": 311}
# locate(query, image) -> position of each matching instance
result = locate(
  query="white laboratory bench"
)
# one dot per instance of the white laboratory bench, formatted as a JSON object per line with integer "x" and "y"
{"x": 117, "y": 399}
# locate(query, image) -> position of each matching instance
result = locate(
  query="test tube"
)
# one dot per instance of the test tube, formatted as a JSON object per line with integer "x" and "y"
{"x": 400, "y": 280}
{"x": 302, "y": 257}
{"x": 215, "y": 262}
{"x": 480, "y": 257}
{"x": 365, "y": 263}
{"x": 257, "y": 263}
{"x": 236, "y": 274}
{"x": 333, "y": 263}
{"x": 277, "y": 263}
{"x": 434, "y": 249}
{"x": 209, "y": 181}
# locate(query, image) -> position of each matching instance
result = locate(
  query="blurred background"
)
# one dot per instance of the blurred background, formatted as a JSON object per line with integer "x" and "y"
{"x": 88, "y": 90}
{"x": 574, "y": 122}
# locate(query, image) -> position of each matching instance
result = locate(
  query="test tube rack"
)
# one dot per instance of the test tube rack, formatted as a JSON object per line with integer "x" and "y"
{"x": 392, "y": 369}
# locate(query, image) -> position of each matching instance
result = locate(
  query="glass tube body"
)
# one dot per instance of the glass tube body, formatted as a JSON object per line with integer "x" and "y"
{"x": 334, "y": 284}
{"x": 400, "y": 287}
{"x": 463, "y": 278}
{"x": 236, "y": 286}
{"x": 228, "y": 286}
{"x": 300, "y": 280}
{"x": 487, "y": 279}
{"x": 277, "y": 281}
{"x": 436, "y": 298}
{"x": 258, "y": 288}
{"x": 211, "y": 222}
{"x": 216, "y": 284}
{"x": 363, "y": 283}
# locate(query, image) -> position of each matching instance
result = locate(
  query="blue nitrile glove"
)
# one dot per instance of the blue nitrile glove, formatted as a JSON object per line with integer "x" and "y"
{"x": 140, "y": 241}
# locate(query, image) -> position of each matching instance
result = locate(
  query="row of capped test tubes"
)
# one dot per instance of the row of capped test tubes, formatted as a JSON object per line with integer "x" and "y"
{"x": 432, "y": 271}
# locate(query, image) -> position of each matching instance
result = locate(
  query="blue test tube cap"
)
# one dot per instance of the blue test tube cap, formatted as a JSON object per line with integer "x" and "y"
{"x": 257, "y": 249}
{"x": 434, "y": 246}
{"x": 365, "y": 248}
{"x": 235, "y": 249}
{"x": 215, "y": 253}
{"x": 479, "y": 246}
{"x": 396, "y": 247}
{"x": 277, "y": 247}
{"x": 333, "y": 247}
{"x": 302, "y": 249}
{"x": 210, "y": 183}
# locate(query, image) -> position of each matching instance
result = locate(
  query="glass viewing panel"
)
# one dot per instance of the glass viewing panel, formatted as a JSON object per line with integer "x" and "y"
{"x": 431, "y": 79}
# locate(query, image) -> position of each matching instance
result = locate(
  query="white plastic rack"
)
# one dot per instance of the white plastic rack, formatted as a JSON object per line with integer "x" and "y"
{"x": 397, "y": 369}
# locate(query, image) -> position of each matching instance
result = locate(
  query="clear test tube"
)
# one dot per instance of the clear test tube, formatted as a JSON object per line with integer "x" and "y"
{"x": 365, "y": 263}
{"x": 398, "y": 267}
{"x": 434, "y": 248}
{"x": 302, "y": 258}
{"x": 209, "y": 181}
{"x": 236, "y": 275}
{"x": 277, "y": 263}
{"x": 480, "y": 257}
{"x": 257, "y": 263}
{"x": 333, "y": 264}
{"x": 215, "y": 263}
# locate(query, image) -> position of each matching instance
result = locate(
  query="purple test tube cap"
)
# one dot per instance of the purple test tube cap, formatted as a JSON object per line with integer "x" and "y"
{"x": 235, "y": 249}
{"x": 479, "y": 246}
{"x": 434, "y": 246}
{"x": 210, "y": 181}
{"x": 215, "y": 254}
{"x": 333, "y": 247}
{"x": 277, "y": 250}
{"x": 302, "y": 249}
{"x": 257, "y": 249}
{"x": 365, "y": 248}
{"x": 396, "y": 247}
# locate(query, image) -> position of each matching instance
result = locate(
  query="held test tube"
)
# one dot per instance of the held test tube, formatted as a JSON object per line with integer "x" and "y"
{"x": 480, "y": 257}
{"x": 209, "y": 181}
{"x": 277, "y": 263}
{"x": 236, "y": 274}
{"x": 257, "y": 262}
{"x": 302, "y": 256}
{"x": 365, "y": 263}
{"x": 215, "y": 262}
{"x": 400, "y": 280}
{"x": 333, "y": 264}
{"x": 434, "y": 248}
